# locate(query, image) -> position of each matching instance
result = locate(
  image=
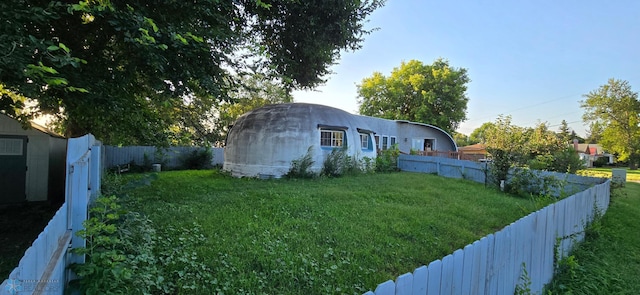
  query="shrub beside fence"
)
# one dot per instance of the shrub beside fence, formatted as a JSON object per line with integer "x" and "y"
{"x": 172, "y": 157}
{"x": 43, "y": 268}
{"x": 495, "y": 263}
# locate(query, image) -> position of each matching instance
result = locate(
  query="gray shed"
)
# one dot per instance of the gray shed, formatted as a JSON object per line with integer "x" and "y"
{"x": 32, "y": 163}
{"x": 265, "y": 141}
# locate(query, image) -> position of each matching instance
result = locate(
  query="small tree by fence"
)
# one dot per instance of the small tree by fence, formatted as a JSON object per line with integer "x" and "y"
{"x": 43, "y": 268}
{"x": 496, "y": 263}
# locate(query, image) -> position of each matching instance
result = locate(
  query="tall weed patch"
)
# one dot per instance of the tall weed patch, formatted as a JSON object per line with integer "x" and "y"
{"x": 127, "y": 254}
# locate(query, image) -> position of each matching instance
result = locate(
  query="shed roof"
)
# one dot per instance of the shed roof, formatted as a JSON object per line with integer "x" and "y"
{"x": 36, "y": 126}
{"x": 474, "y": 147}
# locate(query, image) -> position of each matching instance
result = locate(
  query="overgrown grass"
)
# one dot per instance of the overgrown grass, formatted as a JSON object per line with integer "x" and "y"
{"x": 632, "y": 175}
{"x": 323, "y": 236}
{"x": 608, "y": 262}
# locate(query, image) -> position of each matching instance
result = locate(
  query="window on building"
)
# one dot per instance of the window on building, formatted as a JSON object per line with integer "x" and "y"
{"x": 364, "y": 142}
{"x": 429, "y": 144}
{"x": 377, "y": 137}
{"x": 385, "y": 142}
{"x": 11, "y": 147}
{"x": 393, "y": 141}
{"x": 332, "y": 138}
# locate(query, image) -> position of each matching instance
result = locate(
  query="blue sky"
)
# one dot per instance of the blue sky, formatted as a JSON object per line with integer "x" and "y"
{"x": 532, "y": 60}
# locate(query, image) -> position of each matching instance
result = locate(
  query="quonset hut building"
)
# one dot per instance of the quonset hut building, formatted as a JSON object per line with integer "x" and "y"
{"x": 264, "y": 142}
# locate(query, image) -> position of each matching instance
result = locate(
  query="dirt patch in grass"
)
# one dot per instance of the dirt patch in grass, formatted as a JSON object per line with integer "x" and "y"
{"x": 20, "y": 225}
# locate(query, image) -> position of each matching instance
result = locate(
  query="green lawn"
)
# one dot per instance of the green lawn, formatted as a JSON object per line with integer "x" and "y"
{"x": 323, "y": 236}
{"x": 632, "y": 175}
{"x": 608, "y": 262}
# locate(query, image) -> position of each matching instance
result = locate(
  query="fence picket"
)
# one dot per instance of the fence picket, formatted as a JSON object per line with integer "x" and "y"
{"x": 560, "y": 228}
{"x": 435, "y": 274}
{"x": 508, "y": 271}
{"x": 568, "y": 226}
{"x": 477, "y": 274}
{"x": 458, "y": 270}
{"x": 79, "y": 209}
{"x": 467, "y": 269}
{"x": 538, "y": 254}
{"x": 498, "y": 262}
{"x": 386, "y": 288}
{"x": 549, "y": 242}
{"x": 446, "y": 279}
{"x": 420, "y": 276}
{"x": 486, "y": 253}
{"x": 404, "y": 284}
{"x": 518, "y": 235}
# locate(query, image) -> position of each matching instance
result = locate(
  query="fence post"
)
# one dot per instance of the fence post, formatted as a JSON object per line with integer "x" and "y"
{"x": 77, "y": 188}
{"x": 462, "y": 172}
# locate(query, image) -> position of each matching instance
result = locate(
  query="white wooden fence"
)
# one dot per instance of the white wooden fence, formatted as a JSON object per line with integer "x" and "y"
{"x": 494, "y": 264}
{"x": 43, "y": 268}
{"x": 475, "y": 171}
{"x": 446, "y": 167}
{"x": 172, "y": 156}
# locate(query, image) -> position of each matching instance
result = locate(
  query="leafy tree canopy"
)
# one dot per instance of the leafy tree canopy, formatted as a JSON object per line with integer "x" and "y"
{"x": 615, "y": 108}
{"x": 432, "y": 94}
{"x": 131, "y": 71}
{"x": 461, "y": 139}
{"x": 503, "y": 135}
{"x": 536, "y": 148}
{"x": 479, "y": 135}
{"x": 540, "y": 140}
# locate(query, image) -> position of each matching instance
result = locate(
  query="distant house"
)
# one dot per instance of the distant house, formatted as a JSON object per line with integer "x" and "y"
{"x": 263, "y": 142}
{"x": 32, "y": 163}
{"x": 590, "y": 152}
{"x": 474, "y": 152}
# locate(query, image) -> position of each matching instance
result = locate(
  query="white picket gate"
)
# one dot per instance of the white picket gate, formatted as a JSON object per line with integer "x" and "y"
{"x": 43, "y": 268}
{"x": 494, "y": 264}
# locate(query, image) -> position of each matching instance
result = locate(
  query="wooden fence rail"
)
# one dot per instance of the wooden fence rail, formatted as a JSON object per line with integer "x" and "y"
{"x": 494, "y": 264}
{"x": 459, "y": 155}
{"x": 43, "y": 268}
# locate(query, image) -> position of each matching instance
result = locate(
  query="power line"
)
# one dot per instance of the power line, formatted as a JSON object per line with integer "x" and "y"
{"x": 547, "y": 119}
{"x": 527, "y": 107}
{"x": 554, "y": 125}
